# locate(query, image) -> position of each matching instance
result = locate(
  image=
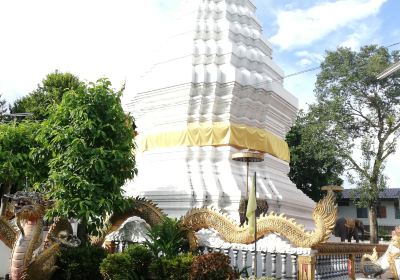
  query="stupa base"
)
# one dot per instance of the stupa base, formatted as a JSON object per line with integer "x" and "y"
{"x": 180, "y": 179}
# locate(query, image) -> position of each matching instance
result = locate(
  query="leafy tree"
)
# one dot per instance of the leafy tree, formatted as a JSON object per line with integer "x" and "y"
{"x": 3, "y": 108}
{"x": 16, "y": 167}
{"x": 354, "y": 109}
{"x": 314, "y": 161}
{"x": 50, "y": 92}
{"x": 88, "y": 141}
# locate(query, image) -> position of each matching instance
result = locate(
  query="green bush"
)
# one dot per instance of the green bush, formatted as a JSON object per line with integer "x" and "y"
{"x": 79, "y": 263}
{"x": 167, "y": 239}
{"x": 140, "y": 258}
{"x": 116, "y": 267}
{"x": 133, "y": 263}
{"x": 212, "y": 266}
{"x": 174, "y": 268}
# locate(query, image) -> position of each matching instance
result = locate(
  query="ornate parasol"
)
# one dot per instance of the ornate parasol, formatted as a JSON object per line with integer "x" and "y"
{"x": 248, "y": 156}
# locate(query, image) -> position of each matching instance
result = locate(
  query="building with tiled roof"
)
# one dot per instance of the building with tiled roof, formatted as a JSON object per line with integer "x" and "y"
{"x": 388, "y": 209}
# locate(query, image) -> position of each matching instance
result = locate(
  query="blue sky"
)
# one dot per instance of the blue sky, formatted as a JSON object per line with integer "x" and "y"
{"x": 95, "y": 38}
{"x": 352, "y": 23}
{"x": 301, "y": 31}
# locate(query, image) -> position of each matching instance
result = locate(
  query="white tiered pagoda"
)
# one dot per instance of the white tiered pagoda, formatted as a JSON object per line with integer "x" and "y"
{"x": 213, "y": 91}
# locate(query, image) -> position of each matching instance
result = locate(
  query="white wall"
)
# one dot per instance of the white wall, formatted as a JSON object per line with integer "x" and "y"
{"x": 390, "y": 220}
{"x": 5, "y": 254}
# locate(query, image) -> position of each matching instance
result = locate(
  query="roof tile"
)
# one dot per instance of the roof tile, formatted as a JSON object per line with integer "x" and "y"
{"x": 387, "y": 193}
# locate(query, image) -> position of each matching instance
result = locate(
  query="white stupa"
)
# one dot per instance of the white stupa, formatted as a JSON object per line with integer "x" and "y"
{"x": 212, "y": 91}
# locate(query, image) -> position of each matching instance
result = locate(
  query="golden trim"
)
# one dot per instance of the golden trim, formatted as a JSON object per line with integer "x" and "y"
{"x": 306, "y": 267}
{"x": 249, "y": 156}
{"x": 218, "y": 134}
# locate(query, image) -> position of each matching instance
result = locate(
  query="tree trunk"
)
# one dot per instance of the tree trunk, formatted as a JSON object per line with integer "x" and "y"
{"x": 3, "y": 207}
{"x": 373, "y": 225}
{"x": 82, "y": 232}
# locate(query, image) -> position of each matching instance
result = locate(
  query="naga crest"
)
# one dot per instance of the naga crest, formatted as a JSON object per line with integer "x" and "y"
{"x": 29, "y": 205}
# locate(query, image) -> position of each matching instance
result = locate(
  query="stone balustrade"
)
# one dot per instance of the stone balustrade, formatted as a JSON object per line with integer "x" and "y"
{"x": 277, "y": 265}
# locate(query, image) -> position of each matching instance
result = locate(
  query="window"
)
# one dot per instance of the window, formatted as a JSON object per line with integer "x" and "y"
{"x": 396, "y": 210}
{"x": 381, "y": 212}
{"x": 343, "y": 203}
{"x": 362, "y": 213}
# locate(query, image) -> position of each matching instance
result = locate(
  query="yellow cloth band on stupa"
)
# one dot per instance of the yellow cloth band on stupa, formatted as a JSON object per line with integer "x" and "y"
{"x": 218, "y": 134}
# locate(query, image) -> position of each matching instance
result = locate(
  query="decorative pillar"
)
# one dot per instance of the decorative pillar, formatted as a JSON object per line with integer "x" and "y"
{"x": 351, "y": 266}
{"x": 306, "y": 267}
{"x": 318, "y": 268}
{"x": 294, "y": 268}
{"x": 244, "y": 260}
{"x": 235, "y": 258}
{"x": 273, "y": 265}
{"x": 283, "y": 266}
{"x": 226, "y": 252}
{"x": 253, "y": 261}
{"x": 263, "y": 264}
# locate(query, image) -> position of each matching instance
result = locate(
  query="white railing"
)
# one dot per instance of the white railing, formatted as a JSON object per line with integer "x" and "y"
{"x": 276, "y": 265}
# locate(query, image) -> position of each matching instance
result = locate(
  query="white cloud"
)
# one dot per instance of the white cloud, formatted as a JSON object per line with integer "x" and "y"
{"x": 362, "y": 34}
{"x": 91, "y": 38}
{"x": 303, "y": 27}
{"x": 304, "y": 62}
{"x": 308, "y": 58}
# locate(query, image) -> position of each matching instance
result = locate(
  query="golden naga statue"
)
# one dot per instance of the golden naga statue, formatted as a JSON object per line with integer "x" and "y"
{"x": 31, "y": 258}
{"x": 324, "y": 216}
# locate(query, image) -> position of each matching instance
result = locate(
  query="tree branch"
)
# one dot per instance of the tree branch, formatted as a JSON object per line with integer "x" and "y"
{"x": 395, "y": 128}
{"x": 357, "y": 167}
{"x": 361, "y": 115}
{"x": 388, "y": 150}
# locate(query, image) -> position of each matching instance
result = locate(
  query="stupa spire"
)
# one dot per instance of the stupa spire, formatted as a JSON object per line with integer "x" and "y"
{"x": 214, "y": 90}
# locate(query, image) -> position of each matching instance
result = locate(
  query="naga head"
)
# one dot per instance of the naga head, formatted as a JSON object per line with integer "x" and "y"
{"x": 29, "y": 205}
